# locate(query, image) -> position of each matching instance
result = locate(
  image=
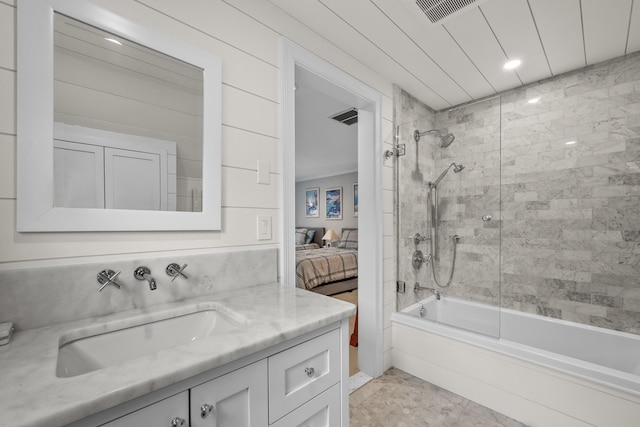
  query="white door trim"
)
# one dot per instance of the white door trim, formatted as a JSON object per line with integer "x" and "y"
{"x": 370, "y": 216}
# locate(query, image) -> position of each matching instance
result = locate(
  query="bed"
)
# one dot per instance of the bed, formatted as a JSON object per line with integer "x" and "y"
{"x": 327, "y": 271}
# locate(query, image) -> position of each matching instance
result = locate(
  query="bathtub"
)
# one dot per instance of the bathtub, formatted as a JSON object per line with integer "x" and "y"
{"x": 538, "y": 370}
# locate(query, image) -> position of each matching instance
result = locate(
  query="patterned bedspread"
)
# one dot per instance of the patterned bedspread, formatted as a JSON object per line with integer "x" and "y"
{"x": 325, "y": 265}
{"x": 307, "y": 246}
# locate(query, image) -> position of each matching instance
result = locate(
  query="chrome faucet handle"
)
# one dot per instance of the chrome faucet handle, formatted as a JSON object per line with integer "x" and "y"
{"x": 174, "y": 270}
{"x": 108, "y": 277}
{"x": 417, "y": 238}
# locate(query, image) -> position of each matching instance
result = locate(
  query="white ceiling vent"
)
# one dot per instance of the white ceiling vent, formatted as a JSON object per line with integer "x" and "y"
{"x": 440, "y": 11}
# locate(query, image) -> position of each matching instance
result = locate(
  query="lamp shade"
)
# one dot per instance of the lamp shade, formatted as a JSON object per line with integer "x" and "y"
{"x": 330, "y": 235}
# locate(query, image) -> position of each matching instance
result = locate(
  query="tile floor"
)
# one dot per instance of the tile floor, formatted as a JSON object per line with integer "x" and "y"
{"x": 397, "y": 399}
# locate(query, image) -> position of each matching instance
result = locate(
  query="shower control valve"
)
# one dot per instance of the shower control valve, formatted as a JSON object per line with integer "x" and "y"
{"x": 417, "y": 238}
{"x": 486, "y": 218}
{"x": 418, "y": 259}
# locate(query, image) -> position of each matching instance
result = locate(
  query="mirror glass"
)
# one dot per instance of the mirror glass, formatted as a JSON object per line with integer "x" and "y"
{"x": 110, "y": 121}
{"x": 149, "y": 106}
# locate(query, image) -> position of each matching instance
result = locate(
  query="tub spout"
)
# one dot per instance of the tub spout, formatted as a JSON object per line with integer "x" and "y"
{"x": 417, "y": 288}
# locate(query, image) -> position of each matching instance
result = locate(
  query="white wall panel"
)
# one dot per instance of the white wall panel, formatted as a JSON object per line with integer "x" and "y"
{"x": 387, "y": 114}
{"x": 287, "y": 26}
{"x": 560, "y": 29}
{"x": 513, "y": 24}
{"x": 225, "y": 23}
{"x": 7, "y": 31}
{"x": 440, "y": 46}
{"x": 633, "y": 38}
{"x": 39, "y": 249}
{"x": 246, "y": 111}
{"x": 444, "y": 50}
{"x": 7, "y": 167}
{"x": 242, "y": 149}
{"x": 7, "y": 101}
{"x": 239, "y": 68}
{"x": 246, "y": 36}
{"x": 388, "y": 181}
{"x": 475, "y": 37}
{"x": 603, "y": 36}
{"x": 368, "y": 19}
{"x": 240, "y": 189}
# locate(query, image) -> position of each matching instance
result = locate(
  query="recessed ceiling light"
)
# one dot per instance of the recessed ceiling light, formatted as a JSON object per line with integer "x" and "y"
{"x": 510, "y": 65}
{"x": 570, "y": 142}
{"x": 534, "y": 100}
{"x": 113, "y": 41}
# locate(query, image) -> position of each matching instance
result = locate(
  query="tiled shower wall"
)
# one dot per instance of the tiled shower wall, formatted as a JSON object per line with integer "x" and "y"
{"x": 564, "y": 238}
{"x": 571, "y": 232}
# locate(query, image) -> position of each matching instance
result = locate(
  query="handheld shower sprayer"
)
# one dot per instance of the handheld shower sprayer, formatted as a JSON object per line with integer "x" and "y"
{"x": 445, "y": 140}
{"x": 457, "y": 167}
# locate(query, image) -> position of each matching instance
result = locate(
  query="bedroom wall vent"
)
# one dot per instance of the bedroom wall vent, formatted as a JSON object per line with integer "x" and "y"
{"x": 348, "y": 117}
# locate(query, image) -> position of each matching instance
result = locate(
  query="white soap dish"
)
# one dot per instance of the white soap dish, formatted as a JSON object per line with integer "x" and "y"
{"x": 6, "y": 332}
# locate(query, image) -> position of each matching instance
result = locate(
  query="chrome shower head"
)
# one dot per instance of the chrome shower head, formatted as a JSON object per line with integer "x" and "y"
{"x": 445, "y": 140}
{"x": 457, "y": 167}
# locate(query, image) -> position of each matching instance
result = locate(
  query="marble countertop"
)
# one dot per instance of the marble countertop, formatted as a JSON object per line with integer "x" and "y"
{"x": 32, "y": 395}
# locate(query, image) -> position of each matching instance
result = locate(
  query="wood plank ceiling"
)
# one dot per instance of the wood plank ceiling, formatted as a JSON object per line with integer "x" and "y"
{"x": 461, "y": 58}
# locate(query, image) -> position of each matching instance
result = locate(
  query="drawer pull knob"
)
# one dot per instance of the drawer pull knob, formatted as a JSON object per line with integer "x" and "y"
{"x": 309, "y": 371}
{"x": 206, "y": 410}
{"x": 177, "y": 421}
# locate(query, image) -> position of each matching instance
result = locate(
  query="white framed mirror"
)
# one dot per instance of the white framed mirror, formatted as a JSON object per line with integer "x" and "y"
{"x": 67, "y": 52}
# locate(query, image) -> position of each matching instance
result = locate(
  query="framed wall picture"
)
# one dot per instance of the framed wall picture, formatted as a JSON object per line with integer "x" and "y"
{"x": 311, "y": 205}
{"x": 333, "y": 200}
{"x": 355, "y": 199}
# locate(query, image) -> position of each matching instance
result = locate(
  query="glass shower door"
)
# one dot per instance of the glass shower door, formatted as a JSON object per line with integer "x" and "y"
{"x": 448, "y": 202}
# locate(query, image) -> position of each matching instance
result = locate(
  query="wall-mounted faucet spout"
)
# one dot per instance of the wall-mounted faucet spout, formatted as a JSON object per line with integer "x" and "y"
{"x": 143, "y": 273}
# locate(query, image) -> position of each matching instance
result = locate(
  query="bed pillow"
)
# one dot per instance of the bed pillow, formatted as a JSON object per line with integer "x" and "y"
{"x": 349, "y": 239}
{"x": 310, "y": 235}
{"x": 301, "y": 236}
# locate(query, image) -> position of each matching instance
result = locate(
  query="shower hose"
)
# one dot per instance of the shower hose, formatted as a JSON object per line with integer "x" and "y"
{"x": 455, "y": 239}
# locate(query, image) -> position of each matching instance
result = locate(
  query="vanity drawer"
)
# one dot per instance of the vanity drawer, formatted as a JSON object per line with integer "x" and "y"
{"x": 302, "y": 372}
{"x": 322, "y": 411}
{"x": 161, "y": 413}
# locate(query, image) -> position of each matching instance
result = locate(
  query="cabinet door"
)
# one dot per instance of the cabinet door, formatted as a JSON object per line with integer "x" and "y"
{"x": 134, "y": 180}
{"x": 78, "y": 175}
{"x": 237, "y": 399}
{"x": 160, "y": 414}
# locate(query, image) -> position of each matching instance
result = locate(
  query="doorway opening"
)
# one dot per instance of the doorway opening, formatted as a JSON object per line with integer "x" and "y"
{"x": 368, "y": 102}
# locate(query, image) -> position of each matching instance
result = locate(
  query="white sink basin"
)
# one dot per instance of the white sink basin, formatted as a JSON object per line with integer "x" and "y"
{"x": 117, "y": 342}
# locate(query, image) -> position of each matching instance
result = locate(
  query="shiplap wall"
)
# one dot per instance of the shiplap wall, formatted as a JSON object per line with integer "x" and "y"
{"x": 246, "y": 35}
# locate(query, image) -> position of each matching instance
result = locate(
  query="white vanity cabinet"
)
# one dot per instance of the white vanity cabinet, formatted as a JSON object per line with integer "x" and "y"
{"x": 170, "y": 412}
{"x": 321, "y": 411}
{"x": 237, "y": 399}
{"x": 296, "y": 383}
{"x": 300, "y": 373}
